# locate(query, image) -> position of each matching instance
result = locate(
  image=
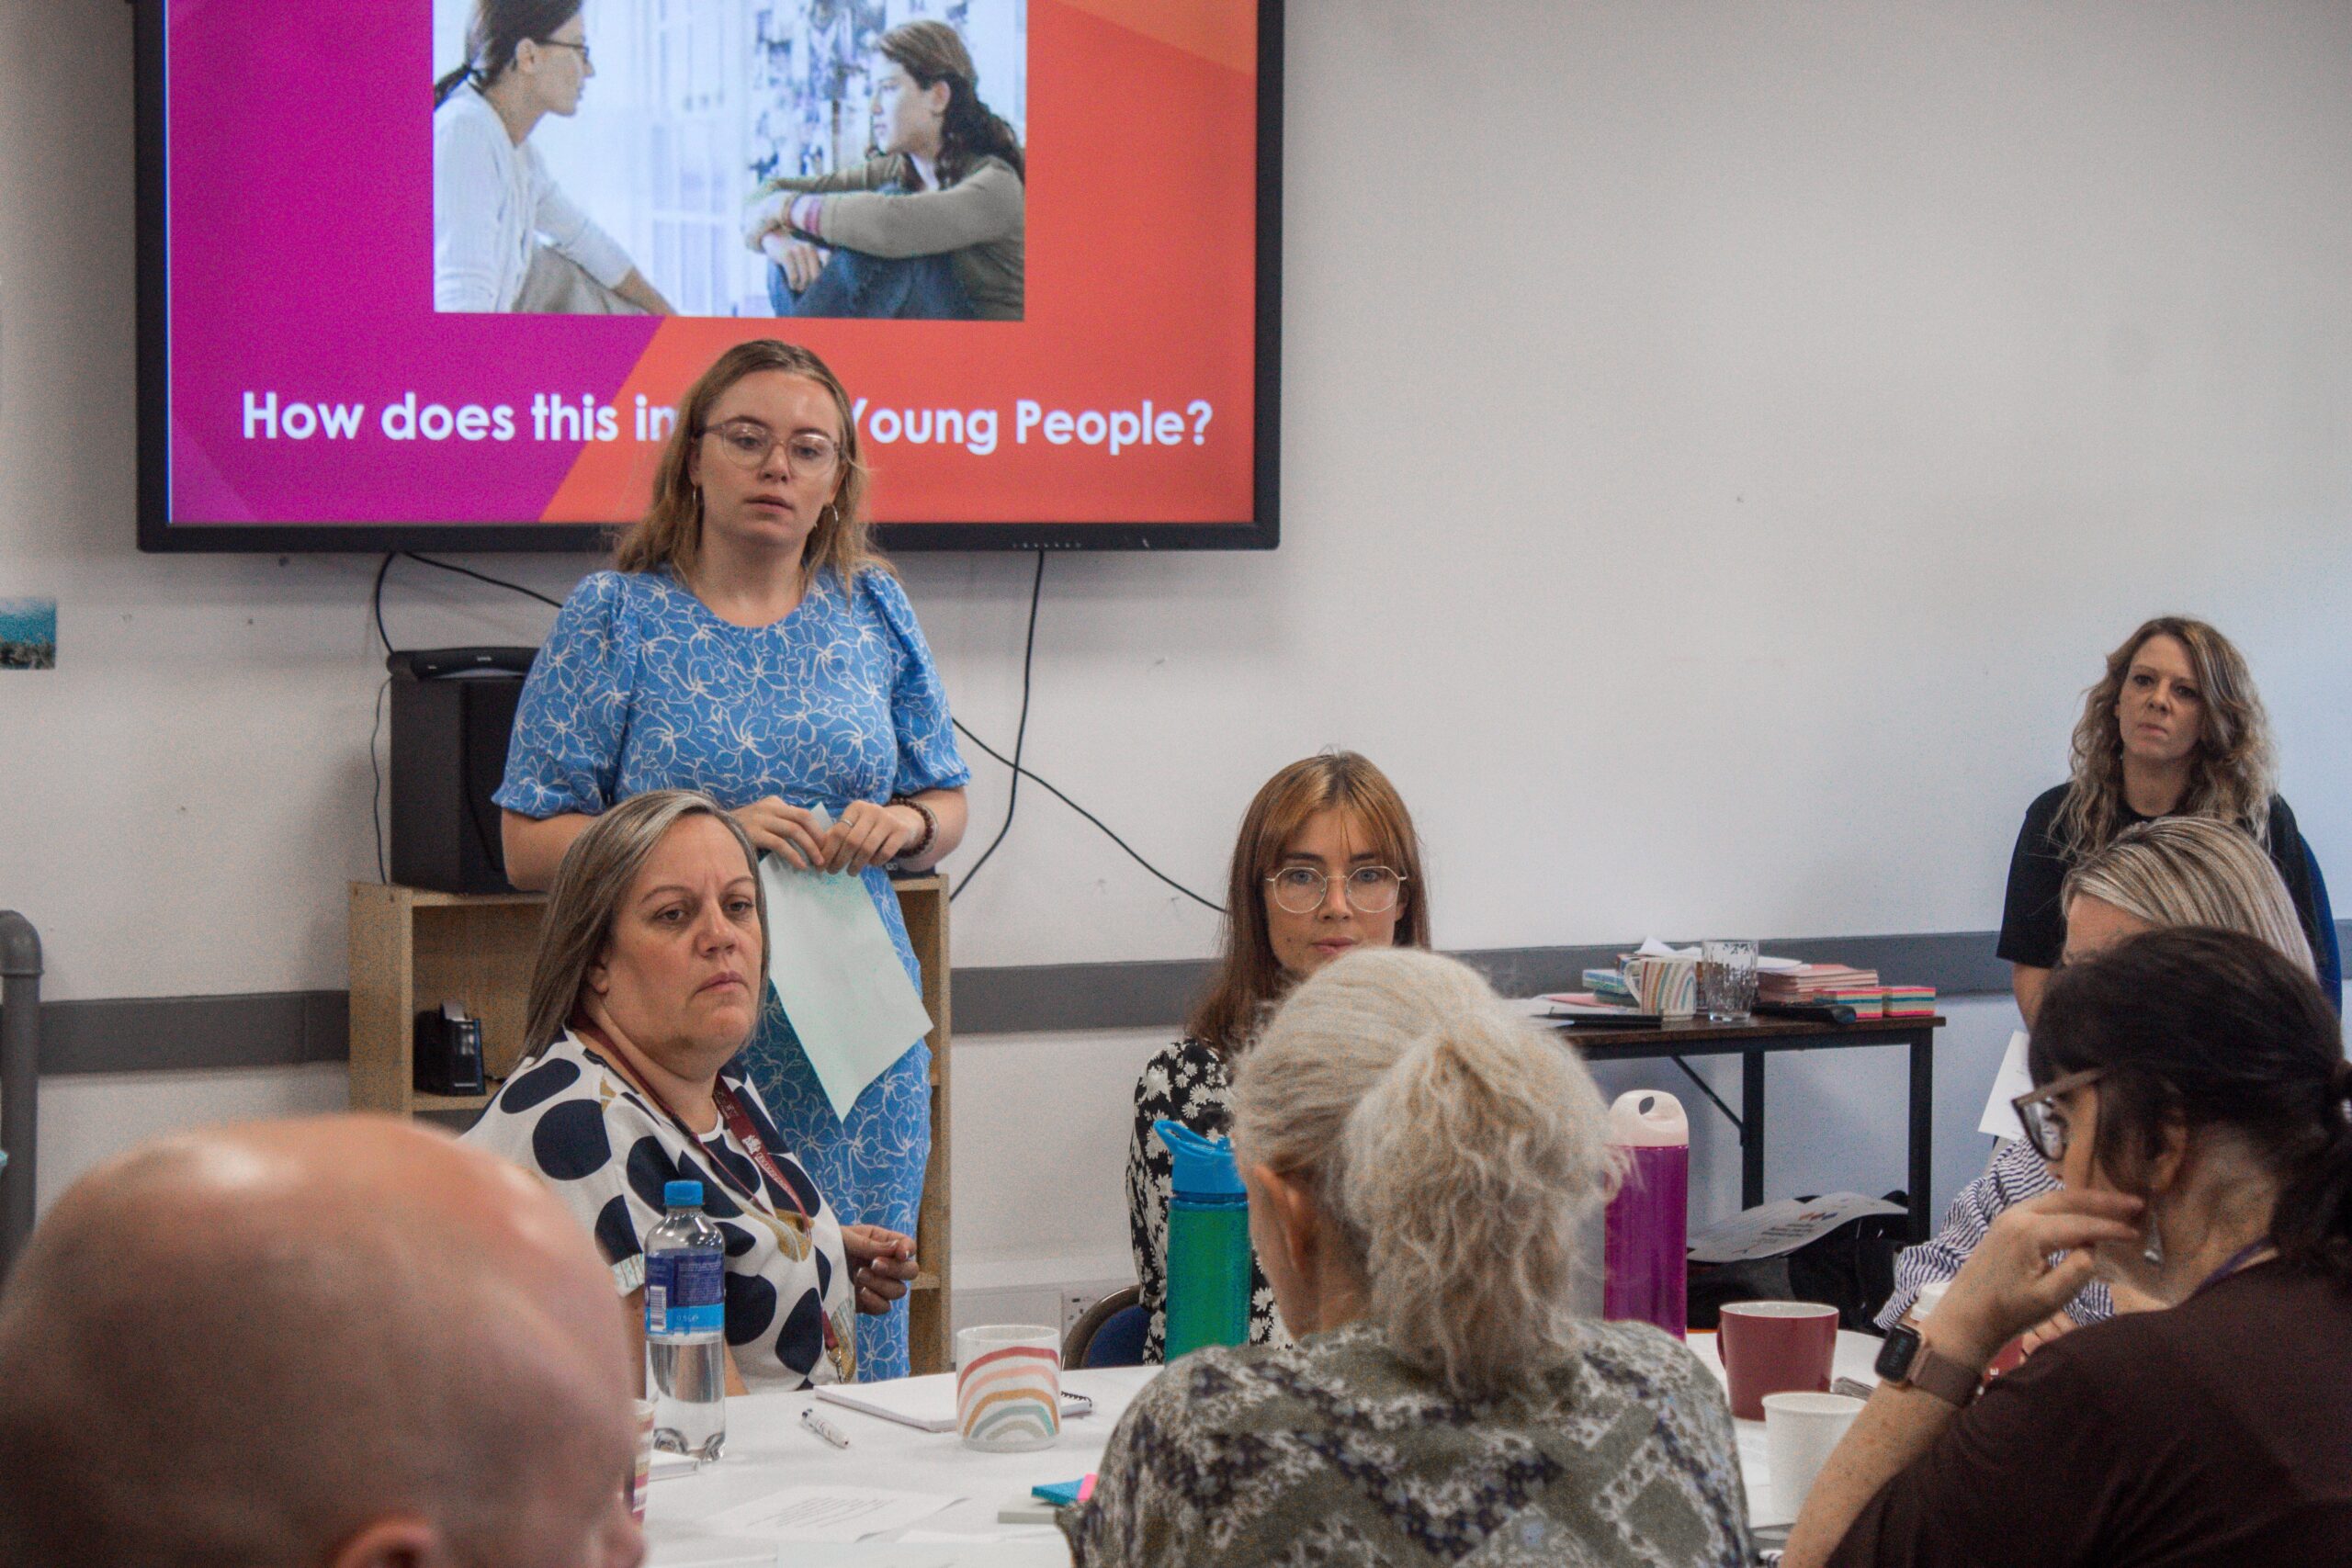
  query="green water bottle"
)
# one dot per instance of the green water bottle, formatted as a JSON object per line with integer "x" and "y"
{"x": 1208, "y": 1243}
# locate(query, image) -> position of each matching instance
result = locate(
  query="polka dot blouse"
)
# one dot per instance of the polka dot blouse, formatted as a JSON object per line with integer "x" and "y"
{"x": 607, "y": 1153}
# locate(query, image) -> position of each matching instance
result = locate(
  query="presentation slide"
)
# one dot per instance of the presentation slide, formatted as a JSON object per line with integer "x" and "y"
{"x": 450, "y": 264}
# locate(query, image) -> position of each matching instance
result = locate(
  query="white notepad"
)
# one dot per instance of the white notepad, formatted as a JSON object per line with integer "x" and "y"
{"x": 839, "y": 977}
{"x": 924, "y": 1404}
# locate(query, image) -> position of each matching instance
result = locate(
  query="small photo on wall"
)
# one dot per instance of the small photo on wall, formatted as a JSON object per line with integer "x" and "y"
{"x": 27, "y": 634}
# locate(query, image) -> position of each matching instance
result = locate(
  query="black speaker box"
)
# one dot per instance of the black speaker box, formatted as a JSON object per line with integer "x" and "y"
{"x": 453, "y": 710}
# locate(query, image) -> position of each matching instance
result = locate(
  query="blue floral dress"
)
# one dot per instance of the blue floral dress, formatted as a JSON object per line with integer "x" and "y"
{"x": 640, "y": 687}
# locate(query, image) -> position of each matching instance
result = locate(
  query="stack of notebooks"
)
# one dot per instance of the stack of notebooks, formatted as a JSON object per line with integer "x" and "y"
{"x": 1839, "y": 985}
{"x": 1607, "y": 987}
{"x": 1816, "y": 983}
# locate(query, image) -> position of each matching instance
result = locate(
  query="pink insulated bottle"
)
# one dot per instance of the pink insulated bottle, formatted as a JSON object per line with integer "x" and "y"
{"x": 1649, "y": 1220}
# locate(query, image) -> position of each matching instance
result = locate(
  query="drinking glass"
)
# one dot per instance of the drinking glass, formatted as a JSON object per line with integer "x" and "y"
{"x": 1728, "y": 978}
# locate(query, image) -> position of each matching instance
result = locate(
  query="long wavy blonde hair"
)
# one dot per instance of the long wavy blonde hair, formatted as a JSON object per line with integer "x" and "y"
{"x": 670, "y": 534}
{"x": 1455, "y": 1147}
{"x": 2233, "y": 765}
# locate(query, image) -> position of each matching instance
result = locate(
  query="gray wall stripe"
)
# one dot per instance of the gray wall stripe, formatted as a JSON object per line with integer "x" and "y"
{"x": 287, "y": 1028}
{"x": 278, "y": 1029}
{"x": 145, "y": 1035}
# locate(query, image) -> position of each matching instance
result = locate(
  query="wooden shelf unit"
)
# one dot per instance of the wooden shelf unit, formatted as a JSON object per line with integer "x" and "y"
{"x": 412, "y": 949}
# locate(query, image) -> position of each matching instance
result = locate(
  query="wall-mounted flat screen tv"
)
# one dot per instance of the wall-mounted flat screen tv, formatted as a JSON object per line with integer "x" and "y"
{"x": 434, "y": 273}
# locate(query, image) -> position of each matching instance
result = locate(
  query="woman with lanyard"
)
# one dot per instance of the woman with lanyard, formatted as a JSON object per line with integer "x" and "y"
{"x": 2191, "y": 1093}
{"x": 752, "y": 644}
{"x": 2175, "y": 727}
{"x": 643, "y": 992}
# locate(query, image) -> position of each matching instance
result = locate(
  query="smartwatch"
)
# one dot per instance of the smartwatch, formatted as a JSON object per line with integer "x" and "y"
{"x": 1906, "y": 1358}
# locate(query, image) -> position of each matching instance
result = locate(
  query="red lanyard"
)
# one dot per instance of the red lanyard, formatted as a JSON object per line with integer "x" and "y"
{"x": 735, "y": 1119}
{"x": 738, "y": 1121}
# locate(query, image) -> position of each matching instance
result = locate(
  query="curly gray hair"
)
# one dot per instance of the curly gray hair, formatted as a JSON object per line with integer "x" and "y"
{"x": 1455, "y": 1147}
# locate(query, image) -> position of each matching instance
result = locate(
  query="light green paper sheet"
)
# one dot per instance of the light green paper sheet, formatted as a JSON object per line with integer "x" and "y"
{"x": 840, "y": 979}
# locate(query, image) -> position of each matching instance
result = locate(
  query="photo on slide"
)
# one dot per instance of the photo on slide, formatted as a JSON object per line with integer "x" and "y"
{"x": 737, "y": 158}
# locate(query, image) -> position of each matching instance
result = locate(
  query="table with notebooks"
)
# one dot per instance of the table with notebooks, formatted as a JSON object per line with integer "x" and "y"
{"x": 691, "y": 1518}
{"x": 1809, "y": 1007}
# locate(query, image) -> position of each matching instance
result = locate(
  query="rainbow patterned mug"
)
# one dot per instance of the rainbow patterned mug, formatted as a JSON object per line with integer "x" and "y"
{"x": 1009, "y": 1387}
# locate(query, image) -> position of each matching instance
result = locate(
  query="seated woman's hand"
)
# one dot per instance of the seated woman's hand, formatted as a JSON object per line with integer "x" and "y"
{"x": 2009, "y": 1284}
{"x": 801, "y": 262}
{"x": 764, "y": 217}
{"x": 2056, "y": 1326}
{"x": 783, "y": 829}
{"x": 881, "y": 1265}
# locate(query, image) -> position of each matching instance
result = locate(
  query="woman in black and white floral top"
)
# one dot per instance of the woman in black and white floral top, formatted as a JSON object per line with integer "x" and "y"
{"x": 1327, "y": 861}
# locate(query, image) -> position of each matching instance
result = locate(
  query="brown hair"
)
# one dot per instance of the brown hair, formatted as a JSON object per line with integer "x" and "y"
{"x": 670, "y": 534}
{"x": 2231, "y": 777}
{"x": 1247, "y": 977}
{"x": 595, "y": 875}
{"x": 500, "y": 28}
{"x": 931, "y": 53}
{"x": 2200, "y": 1028}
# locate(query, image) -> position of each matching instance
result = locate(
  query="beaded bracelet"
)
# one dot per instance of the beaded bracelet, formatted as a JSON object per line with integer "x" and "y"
{"x": 930, "y": 828}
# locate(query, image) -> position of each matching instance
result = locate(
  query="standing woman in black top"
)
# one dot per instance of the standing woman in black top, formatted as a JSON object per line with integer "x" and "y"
{"x": 2175, "y": 727}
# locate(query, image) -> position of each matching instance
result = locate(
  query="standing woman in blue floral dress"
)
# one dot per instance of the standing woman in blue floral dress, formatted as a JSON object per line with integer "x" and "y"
{"x": 751, "y": 643}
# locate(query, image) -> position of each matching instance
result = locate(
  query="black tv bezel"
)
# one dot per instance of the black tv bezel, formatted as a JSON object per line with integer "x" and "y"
{"x": 158, "y": 534}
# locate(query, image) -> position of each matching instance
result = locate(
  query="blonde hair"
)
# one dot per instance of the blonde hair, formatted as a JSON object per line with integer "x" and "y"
{"x": 670, "y": 534}
{"x": 1248, "y": 979}
{"x": 1454, "y": 1146}
{"x": 2194, "y": 871}
{"x": 2232, "y": 767}
{"x": 589, "y": 886}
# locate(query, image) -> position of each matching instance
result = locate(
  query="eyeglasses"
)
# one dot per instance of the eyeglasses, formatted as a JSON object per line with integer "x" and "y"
{"x": 558, "y": 43}
{"x": 747, "y": 442}
{"x": 1370, "y": 889}
{"x": 2045, "y": 1123}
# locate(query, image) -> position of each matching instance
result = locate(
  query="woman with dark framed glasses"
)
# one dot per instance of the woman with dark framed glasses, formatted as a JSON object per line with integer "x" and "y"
{"x": 2174, "y": 871}
{"x": 2194, "y": 1099}
{"x": 1327, "y": 861}
{"x": 752, "y": 644}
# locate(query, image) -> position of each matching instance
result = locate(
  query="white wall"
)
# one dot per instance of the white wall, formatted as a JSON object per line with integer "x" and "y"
{"x": 1720, "y": 441}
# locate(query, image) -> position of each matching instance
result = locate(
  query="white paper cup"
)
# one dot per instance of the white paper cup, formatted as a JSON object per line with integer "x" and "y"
{"x": 1009, "y": 1387}
{"x": 1799, "y": 1431}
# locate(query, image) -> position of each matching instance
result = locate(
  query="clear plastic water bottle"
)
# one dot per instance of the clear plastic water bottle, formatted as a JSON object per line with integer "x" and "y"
{"x": 686, "y": 1325}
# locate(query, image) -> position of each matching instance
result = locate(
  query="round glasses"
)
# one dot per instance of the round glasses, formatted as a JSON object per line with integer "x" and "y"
{"x": 746, "y": 442}
{"x": 1370, "y": 889}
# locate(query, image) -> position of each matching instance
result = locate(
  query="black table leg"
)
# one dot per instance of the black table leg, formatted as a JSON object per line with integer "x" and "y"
{"x": 1751, "y": 1128}
{"x": 1923, "y": 1118}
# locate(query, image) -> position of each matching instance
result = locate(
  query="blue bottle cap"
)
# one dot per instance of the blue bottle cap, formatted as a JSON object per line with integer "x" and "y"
{"x": 1205, "y": 1167}
{"x": 682, "y": 1194}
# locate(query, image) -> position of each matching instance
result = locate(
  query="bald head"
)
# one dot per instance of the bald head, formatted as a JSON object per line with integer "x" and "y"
{"x": 296, "y": 1342}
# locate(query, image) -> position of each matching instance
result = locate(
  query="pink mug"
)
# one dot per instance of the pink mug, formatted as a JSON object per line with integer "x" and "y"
{"x": 1775, "y": 1347}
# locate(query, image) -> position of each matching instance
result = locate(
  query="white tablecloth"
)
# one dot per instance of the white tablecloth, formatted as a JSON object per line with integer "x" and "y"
{"x": 768, "y": 1450}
